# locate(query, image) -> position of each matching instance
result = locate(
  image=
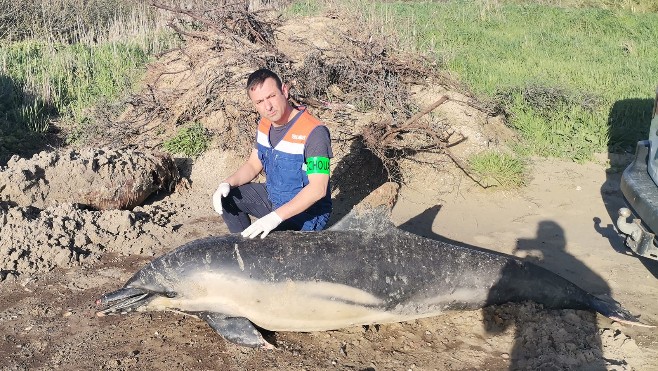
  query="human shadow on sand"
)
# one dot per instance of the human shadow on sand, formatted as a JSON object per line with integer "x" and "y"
{"x": 538, "y": 344}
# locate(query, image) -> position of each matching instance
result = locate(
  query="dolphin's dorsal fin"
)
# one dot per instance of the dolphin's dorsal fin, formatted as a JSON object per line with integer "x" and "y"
{"x": 373, "y": 213}
{"x": 375, "y": 220}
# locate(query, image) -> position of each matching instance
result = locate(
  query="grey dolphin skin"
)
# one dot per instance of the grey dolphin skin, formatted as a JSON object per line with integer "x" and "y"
{"x": 361, "y": 271}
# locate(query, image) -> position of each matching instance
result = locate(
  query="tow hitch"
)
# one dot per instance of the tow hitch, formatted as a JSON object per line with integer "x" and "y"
{"x": 638, "y": 238}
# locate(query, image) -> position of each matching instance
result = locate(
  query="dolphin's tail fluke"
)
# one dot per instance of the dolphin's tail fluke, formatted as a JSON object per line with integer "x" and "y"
{"x": 613, "y": 310}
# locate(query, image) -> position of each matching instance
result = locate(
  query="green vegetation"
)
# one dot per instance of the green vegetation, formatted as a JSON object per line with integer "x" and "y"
{"x": 641, "y": 6}
{"x": 498, "y": 169}
{"x": 72, "y": 21}
{"x": 68, "y": 78}
{"x": 574, "y": 76}
{"x": 190, "y": 141}
{"x": 602, "y": 62}
{"x": 57, "y": 60}
{"x": 304, "y": 8}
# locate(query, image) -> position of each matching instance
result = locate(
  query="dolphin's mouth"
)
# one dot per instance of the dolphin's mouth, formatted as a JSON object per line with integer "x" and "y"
{"x": 122, "y": 301}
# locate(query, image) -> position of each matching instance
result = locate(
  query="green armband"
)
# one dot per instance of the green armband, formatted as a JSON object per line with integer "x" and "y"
{"x": 317, "y": 165}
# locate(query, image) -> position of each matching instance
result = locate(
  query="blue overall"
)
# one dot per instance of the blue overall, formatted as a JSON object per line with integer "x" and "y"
{"x": 285, "y": 169}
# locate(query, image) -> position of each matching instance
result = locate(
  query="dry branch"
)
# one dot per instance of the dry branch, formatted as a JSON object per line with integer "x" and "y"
{"x": 409, "y": 124}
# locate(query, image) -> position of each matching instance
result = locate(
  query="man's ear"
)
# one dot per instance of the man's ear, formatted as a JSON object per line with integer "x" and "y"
{"x": 285, "y": 90}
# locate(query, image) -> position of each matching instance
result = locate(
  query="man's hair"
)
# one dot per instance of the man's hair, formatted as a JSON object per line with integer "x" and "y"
{"x": 257, "y": 78}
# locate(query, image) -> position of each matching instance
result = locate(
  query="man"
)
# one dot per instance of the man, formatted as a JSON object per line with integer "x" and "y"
{"x": 293, "y": 148}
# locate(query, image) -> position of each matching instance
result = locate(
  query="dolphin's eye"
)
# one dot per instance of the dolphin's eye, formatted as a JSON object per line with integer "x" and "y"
{"x": 171, "y": 294}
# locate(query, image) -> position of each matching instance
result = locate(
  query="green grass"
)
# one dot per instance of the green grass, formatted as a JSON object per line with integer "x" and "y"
{"x": 70, "y": 78}
{"x": 191, "y": 141}
{"x": 58, "y": 60}
{"x": 304, "y": 8}
{"x": 41, "y": 83}
{"x": 603, "y": 60}
{"x": 641, "y": 6}
{"x": 498, "y": 169}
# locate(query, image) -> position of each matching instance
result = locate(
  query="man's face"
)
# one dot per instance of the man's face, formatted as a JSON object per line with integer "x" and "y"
{"x": 271, "y": 102}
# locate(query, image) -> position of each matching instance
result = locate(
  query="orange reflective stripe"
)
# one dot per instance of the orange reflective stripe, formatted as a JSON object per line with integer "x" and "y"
{"x": 264, "y": 126}
{"x": 302, "y": 128}
{"x": 299, "y": 131}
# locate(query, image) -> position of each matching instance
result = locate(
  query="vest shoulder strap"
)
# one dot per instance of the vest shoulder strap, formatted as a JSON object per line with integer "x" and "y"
{"x": 302, "y": 128}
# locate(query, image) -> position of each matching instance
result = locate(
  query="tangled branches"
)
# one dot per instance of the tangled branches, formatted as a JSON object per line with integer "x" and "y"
{"x": 224, "y": 18}
{"x": 364, "y": 76}
{"x": 392, "y": 142}
{"x": 350, "y": 77}
{"x": 386, "y": 139}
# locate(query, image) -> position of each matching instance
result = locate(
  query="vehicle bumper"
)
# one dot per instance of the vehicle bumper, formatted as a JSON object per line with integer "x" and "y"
{"x": 641, "y": 194}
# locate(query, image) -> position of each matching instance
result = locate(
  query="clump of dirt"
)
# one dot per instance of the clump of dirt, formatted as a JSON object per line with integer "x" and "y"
{"x": 572, "y": 340}
{"x": 97, "y": 178}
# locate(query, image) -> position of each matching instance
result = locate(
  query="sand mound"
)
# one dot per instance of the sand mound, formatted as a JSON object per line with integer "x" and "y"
{"x": 34, "y": 240}
{"x": 46, "y": 207}
{"x": 98, "y": 178}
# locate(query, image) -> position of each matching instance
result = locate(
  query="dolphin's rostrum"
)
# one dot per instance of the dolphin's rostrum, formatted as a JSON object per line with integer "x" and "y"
{"x": 361, "y": 271}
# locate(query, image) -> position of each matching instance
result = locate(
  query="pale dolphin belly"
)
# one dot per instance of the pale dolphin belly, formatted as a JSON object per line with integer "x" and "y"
{"x": 299, "y": 305}
{"x": 281, "y": 306}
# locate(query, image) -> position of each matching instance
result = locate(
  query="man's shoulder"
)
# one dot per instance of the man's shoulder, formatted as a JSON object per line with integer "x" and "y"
{"x": 320, "y": 133}
{"x": 309, "y": 118}
{"x": 318, "y": 143}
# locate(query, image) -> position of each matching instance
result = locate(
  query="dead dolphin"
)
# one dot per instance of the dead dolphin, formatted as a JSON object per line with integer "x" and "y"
{"x": 361, "y": 271}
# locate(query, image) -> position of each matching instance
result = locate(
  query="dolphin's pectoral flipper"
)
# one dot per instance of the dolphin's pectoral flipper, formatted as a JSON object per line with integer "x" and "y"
{"x": 238, "y": 330}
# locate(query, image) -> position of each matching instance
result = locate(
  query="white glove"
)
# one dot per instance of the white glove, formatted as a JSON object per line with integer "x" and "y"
{"x": 222, "y": 191}
{"x": 264, "y": 224}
